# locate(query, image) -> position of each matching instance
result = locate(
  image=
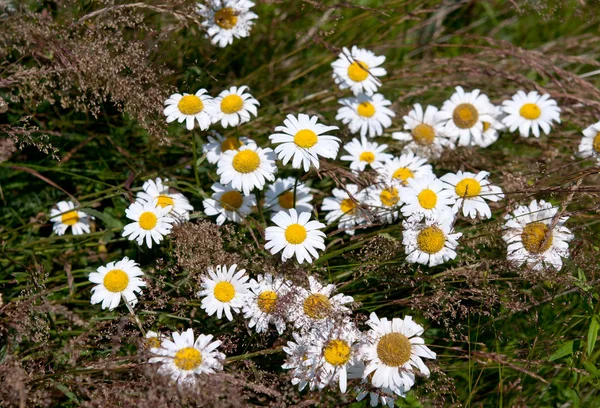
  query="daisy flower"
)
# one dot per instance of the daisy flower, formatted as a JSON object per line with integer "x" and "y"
{"x": 425, "y": 195}
{"x": 367, "y": 114}
{"x": 398, "y": 170}
{"x": 150, "y": 222}
{"x": 116, "y": 280}
{"x": 156, "y": 190}
{"x": 153, "y": 339}
{"x": 392, "y": 349}
{"x": 470, "y": 190}
{"x": 226, "y": 19}
{"x": 297, "y": 361}
{"x": 234, "y": 107}
{"x": 385, "y": 201}
{"x": 383, "y": 396}
{"x": 532, "y": 238}
{"x": 590, "y": 143}
{"x": 247, "y": 168}
{"x": 491, "y": 130}
{"x": 199, "y": 107}
{"x": 358, "y": 70}
{"x": 279, "y": 196}
{"x": 304, "y": 139}
{"x": 228, "y": 203}
{"x": 264, "y": 303}
{"x": 66, "y": 216}
{"x": 184, "y": 358}
{"x": 344, "y": 208}
{"x": 296, "y": 235}
{"x": 218, "y": 144}
{"x": 530, "y": 112}
{"x": 362, "y": 153}
{"x": 224, "y": 290}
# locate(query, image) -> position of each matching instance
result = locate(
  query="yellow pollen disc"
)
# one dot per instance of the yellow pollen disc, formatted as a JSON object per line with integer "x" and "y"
{"x": 596, "y": 143}
{"x": 188, "y": 358}
{"x": 286, "y": 200}
{"x": 116, "y": 280}
{"x": 306, "y": 138}
{"x": 295, "y": 234}
{"x": 231, "y": 104}
{"x": 70, "y": 218}
{"x": 226, "y": 18}
{"x": 358, "y": 71}
{"x": 389, "y": 197}
{"x": 427, "y": 199}
{"x": 246, "y": 161}
{"x": 266, "y": 301}
{"x": 486, "y": 126}
{"x": 316, "y": 306}
{"x": 423, "y": 134}
{"x": 224, "y": 291}
{"x": 366, "y": 109}
{"x": 152, "y": 342}
{"x": 337, "y": 352}
{"x": 347, "y": 205}
{"x": 403, "y": 174}
{"x": 147, "y": 220}
{"x": 394, "y": 349}
{"x": 534, "y": 237}
{"x": 468, "y": 188}
{"x": 431, "y": 240}
{"x": 232, "y": 200}
{"x": 368, "y": 157}
{"x": 231, "y": 143}
{"x": 164, "y": 200}
{"x": 530, "y": 111}
{"x": 190, "y": 105}
{"x": 465, "y": 116}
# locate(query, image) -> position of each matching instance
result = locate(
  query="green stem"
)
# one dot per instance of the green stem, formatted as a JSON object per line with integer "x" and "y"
{"x": 195, "y": 164}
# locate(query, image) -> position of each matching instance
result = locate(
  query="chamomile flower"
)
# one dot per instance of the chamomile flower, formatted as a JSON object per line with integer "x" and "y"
{"x": 304, "y": 140}
{"x": 297, "y": 360}
{"x": 392, "y": 349}
{"x": 247, "y": 168}
{"x": 65, "y": 216}
{"x": 367, "y": 114}
{"x": 199, "y": 107}
{"x": 534, "y": 239}
{"x": 228, "y": 203}
{"x": 295, "y": 234}
{"x": 385, "y": 201}
{"x": 234, "y": 107}
{"x": 151, "y": 222}
{"x": 362, "y": 153}
{"x": 530, "y": 112}
{"x": 224, "y": 290}
{"x": 116, "y": 280}
{"x": 425, "y": 195}
{"x": 398, "y": 170}
{"x": 358, "y": 70}
{"x": 470, "y": 192}
{"x": 226, "y": 19}
{"x": 590, "y": 143}
{"x": 218, "y": 144}
{"x": 156, "y": 190}
{"x": 185, "y": 357}
{"x": 279, "y": 196}
{"x": 265, "y": 303}
{"x": 345, "y": 208}
{"x": 383, "y": 396}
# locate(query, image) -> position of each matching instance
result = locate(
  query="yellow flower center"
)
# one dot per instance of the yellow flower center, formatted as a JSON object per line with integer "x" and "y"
{"x": 366, "y": 109}
{"x": 423, "y": 134}
{"x": 232, "y": 200}
{"x": 389, "y": 196}
{"x": 394, "y": 349}
{"x": 431, "y": 240}
{"x": 231, "y": 104}
{"x": 190, "y": 105}
{"x": 316, "y": 306}
{"x": 596, "y": 143}
{"x": 403, "y": 174}
{"x": 286, "y": 200}
{"x": 116, "y": 280}
{"x": 465, "y": 116}
{"x": 295, "y": 234}
{"x": 306, "y": 138}
{"x": 358, "y": 71}
{"x": 534, "y": 237}
{"x": 224, "y": 291}
{"x": 337, "y": 352}
{"x": 486, "y": 126}
{"x": 266, "y": 301}
{"x": 427, "y": 199}
{"x": 368, "y": 157}
{"x": 246, "y": 161}
{"x": 188, "y": 358}
{"x": 530, "y": 111}
{"x": 347, "y": 205}
{"x": 70, "y": 218}
{"x": 468, "y": 188}
{"x": 164, "y": 200}
{"x": 231, "y": 143}
{"x": 148, "y": 220}
{"x": 226, "y": 18}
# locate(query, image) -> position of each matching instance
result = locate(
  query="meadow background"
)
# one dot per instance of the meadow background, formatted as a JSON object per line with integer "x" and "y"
{"x": 82, "y": 86}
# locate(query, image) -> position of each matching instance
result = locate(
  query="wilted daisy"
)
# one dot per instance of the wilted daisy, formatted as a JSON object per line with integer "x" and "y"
{"x": 279, "y": 196}
{"x": 297, "y": 361}
{"x": 344, "y": 208}
{"x": 224, "y": 290}
{"x": 590, "y": 143}
{"x": 65, "y": 216}
{"x": 384, "y": 201}
{"x": 218, "y": 144}
{"x": 228, "y": 203}
{"x": 362, "y": 153}
{"x": 199, "y": 107}
{"x": 304, "y": 140}
{"x": 377, "y": 395}
{"x": 358, "y": 70}
{"x": 296, "y": 235}
{"x": 367, "y": 114}
{"x": 234, "y": 106}
{"x": 151, "y": 222}
{"x": 530, "y": 112}
{"x": 425, "y": 195}
{"x": 156, "y": 190}
{"x": 247, "y": 168}
{"x": 266, "y": 303}
{"x": 392, "y": 349}
{"x": 226, "y": 19}
{"x": 533, "y": 238}
{"x": 470, "y": 191}
{"x": 398, "y": 170}
{"x": 184, "y": 358}
{"x": 116, "y": 280}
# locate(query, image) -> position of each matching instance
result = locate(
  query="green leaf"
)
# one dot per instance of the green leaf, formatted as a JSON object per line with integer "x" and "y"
{"x": 565, "y": 349}
{"x": 591, "y": 368}
{"x": 65, "y": 390}
{"x": 592, "y": 334}
{"x": 107, "y": 219}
